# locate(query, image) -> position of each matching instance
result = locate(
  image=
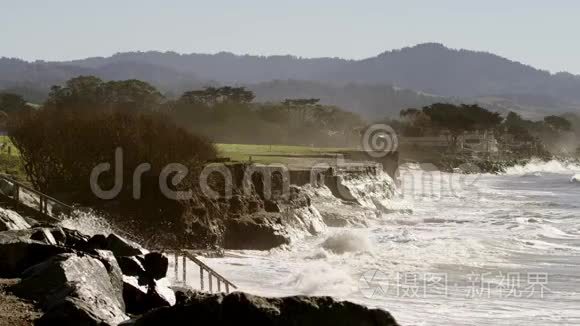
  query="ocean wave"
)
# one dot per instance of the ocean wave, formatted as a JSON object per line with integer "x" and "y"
{"x": 320, "y": 278}
{"x": 537, "y": 167}
{"x": 347, "y": 241}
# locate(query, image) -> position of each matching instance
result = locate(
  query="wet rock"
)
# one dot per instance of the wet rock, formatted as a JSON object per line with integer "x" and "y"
{"x": 131, "y": 266}
{"x": 10, "y": 220}
{"x": 44, "y": 235}
{"x": 271, "y": 206}
{"x": 115, "y": 274}
{"x": 259, "y": 232}
{"x": 254, "y": 206}
{"x": 141, "y": 298}
{"x": 72, "y": 290}
{"x": 245, "y": 309}
{"x": 123, "y": 247}
{"x": 98, "y": 241}
{"x": 134, "y": 295}
{"x": 156, "y": 265}
{"x": 18, "y": 251}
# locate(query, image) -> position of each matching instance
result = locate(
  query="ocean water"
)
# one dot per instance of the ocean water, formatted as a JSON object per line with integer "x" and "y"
{"x": 472, "y": 250}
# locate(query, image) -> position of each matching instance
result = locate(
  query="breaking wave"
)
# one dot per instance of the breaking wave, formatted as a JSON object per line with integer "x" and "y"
{"x": 321, "y": 278}
{"x": 536, "y": 167}
{"x": 89, "y": 223}
{"x": 347, "y": 241}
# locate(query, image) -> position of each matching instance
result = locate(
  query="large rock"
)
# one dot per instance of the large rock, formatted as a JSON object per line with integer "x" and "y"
{"x": 10, "y": 220}
{"x": 141, "y": 298}
{"x": 21, "y": 249}
{"x": 256, "y": 232}
{"x": 123, "y": 247}
{"x": 156, "y": 264}
{"x": 131, "y": 266}
{"x": 114, "y": 271}
{"x": 245, "y": 309}
{"x": 73, "y": 290}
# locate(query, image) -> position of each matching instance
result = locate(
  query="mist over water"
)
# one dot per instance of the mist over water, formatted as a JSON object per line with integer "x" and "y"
{"x": 504, "y": 250}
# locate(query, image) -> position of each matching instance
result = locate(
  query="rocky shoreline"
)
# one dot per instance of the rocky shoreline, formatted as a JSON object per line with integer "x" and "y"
{"x": 59, "y": 276}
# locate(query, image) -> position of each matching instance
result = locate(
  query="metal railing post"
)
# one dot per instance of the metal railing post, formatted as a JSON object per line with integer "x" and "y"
{"x": 184, "y": 263}
{"x": 210, "y": 282}
{"x": 201, "y": 277}
{"x": 176, "y": 267}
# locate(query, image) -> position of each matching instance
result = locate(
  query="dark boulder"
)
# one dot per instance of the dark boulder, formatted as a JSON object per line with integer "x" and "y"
{"x": 98, "y": 241}
{"x": 156, "y": 265}
{"x": 71, "y": 238}
{"x": 245, "y": 309}
{"x": 72, "y": 290}
{"x": 123, "y": 247}
{"x": 131, "y": 266}
{"x": 19, "y": 251}
{"x": 256, "y": 232}
{"x": 141, "y": 298}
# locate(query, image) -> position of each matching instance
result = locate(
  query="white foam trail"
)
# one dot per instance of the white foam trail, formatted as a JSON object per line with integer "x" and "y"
{"x": 537, "y": 166}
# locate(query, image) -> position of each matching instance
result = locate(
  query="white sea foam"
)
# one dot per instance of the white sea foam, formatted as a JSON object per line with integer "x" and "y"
{"x": 504, "y": 225}
{"x": 321, "y": 278}
{"x": 347, "y": 241}
{"x": 536, "y": 167}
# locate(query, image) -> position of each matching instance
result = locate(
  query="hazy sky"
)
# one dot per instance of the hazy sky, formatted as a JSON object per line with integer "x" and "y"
{"x": 541, "y": 33}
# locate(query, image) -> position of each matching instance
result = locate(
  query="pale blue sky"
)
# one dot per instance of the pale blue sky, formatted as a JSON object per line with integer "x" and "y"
{"x": 541, "y": 33}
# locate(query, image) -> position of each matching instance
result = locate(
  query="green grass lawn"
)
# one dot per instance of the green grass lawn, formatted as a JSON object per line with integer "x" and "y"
{"x": 8, "y": 148}
{"x": 267, "y": 153}
{"x": 10, "y": 162}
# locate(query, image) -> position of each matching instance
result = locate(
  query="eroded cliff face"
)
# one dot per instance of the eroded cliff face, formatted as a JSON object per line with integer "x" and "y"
{"x": 254, "y": 215}
{"x": 248, "y": 220}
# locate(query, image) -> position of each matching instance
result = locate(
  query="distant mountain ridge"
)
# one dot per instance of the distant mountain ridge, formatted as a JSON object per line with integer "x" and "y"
{"x": 426, "y": 68}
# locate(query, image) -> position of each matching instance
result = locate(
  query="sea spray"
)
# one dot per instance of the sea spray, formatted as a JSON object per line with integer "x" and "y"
{"x": 88, "y": 222}
{"x": 320, "y": 278}
{"x": 536, "y": 166}
{"x": 347, "y": 241}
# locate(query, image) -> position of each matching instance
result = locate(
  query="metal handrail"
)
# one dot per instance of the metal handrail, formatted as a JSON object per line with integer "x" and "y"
{"x": 208, "y": 269}
{"x": 202, "y": 267}
{"x": 43, "y": 198}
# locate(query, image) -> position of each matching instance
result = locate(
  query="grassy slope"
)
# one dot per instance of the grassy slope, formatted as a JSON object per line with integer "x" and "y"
{"x": 10, "y": 162}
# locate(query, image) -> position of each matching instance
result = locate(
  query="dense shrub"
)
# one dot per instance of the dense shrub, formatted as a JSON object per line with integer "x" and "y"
{"x": 60, "y": 148}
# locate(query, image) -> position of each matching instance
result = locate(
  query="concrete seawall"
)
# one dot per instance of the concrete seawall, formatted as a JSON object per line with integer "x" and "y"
{"x": 276, "y": 178}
